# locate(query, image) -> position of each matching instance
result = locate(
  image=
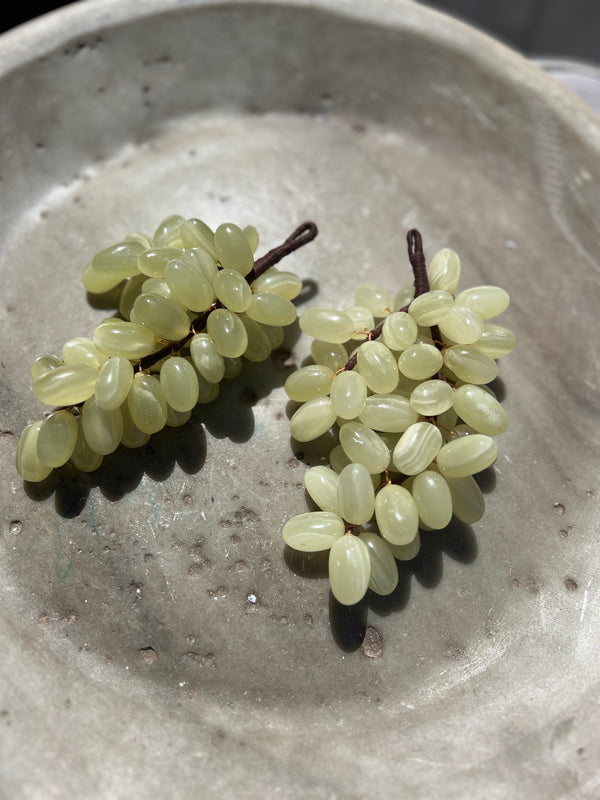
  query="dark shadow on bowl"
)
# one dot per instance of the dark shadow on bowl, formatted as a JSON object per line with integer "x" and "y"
{"x": 486, "y": 480}
{"x": 348, "y": 623}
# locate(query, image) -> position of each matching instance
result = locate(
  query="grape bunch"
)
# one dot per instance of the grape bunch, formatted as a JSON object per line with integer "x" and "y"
{"x": 192, "y": 304}
{"x": 414, "y": 419}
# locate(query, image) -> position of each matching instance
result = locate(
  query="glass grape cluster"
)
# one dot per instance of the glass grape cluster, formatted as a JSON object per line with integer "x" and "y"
{"x": 413, "y": 417}
{"x": 192, "y": 303}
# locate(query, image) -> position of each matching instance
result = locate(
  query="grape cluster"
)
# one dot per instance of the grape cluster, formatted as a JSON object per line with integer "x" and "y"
{"x": 414, "y": 420}
{"x": 192, "y": 304}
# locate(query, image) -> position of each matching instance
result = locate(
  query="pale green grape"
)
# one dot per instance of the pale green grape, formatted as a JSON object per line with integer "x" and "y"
{"x": 233, "y": 248}
{"x": 132, "y": 436}
{"x": 98, "y": 282}
{"x": 203, "y": 261}
{"x": 364, "y": 446}
{"x": 207, "y": 392}
{"x": 147, "y": 404}
{"x": 467, "y": 455}
{"x": 28, "y": 465}
{"x": 227, "y": 333}
{"x": 403, "y": 297}
{"x": 82, "y": 351}
{"x": 420, "y": 361}
{"x": 57, "y": 438}
{"x": 272, "y": 309}
{"x": 390, "y": 413}
{"x": 321, "y": 484}
{"x": 480, "y": 410}
{"x": 433, "y": 499}
{"x": 162, "y": 316}
{"x": 379, "y": 301}
{"x": 406, "y": 552}
{"x": 141, "y": 238}
{"x": 189, "y": 285}
{"x": 312, "y": 419}
{"x": 196, "y": 234}
{"x": 83, "y": 457}
{"x": 462, "y": 325}
{"x": 132, "y": 289}
{"x": 486, "y": 301}
{"x": 468, "y": 504}
{"x": 399, "y": 331}
{"x": 307, "y": 382}
{"x": 313, "y": 531}
{"x": 232, "y": 367}
{"x": 327, "y": 325}
{"x": 274, "y": 281}
{"x": 168, "y": 233}
{"x": 159, "y": 286}
{"x": 65, "y": 386}
{"x": 207, "y": 359}
{"x": 102, "y": 429}
{"x": 348, "y": 394}
{"x": 118, "y": 261}
{"x": 469, "y": 364}
{"x": 259, "y": 346}
{"x": 329, "y": 354}
{"x": 355, "y": 494}
{"x": 431, "y": 398}
{"x": 431, "y": 307}
{"x": 152, "y": 263}
{"x": 251, "y": 234}
{"x": 495, "y": 341}
{"x": 274, "y": 334}
{"x": 175, "y": 419}
{"x": 113, "y": 383}
{"x": 349, "y": 569}
{"x": 377, "y": 365}
{"x": 384, "y": 570}
{"x": 416, "y": 448}
{"x": 44, "y": 364}
{"x": 443, "y": 271}
{"x": 338, "y": 459}
{"x": 179, "y": 382}
{"x": 363, "y": 321}
{"x": 232, "y": 290}
{"x": 396, "y": 514}
{"x": 116, "y": 337}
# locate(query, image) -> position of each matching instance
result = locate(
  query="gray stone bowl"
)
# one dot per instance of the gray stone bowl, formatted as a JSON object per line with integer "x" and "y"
{"x": 156, "y": 638}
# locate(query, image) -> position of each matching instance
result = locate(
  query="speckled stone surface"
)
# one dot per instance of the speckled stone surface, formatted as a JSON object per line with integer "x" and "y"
{"x": 156, "y": 638}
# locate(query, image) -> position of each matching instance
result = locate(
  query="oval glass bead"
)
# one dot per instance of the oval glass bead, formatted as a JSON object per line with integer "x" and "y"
{"x": 44, "y": 364}
{"x": 28, "y": 465}
{"x": 271, "y": 309}
{"x": 83, "y": 457}
{"x": 431, "y": 307}
{"x": 65, "y": 386}
{"x": 462, "y": 325}
{"x": 348, "y": 394}
{"x": 57, "y": 438}
{"x": 227, "y": 332}
{"x": 312, "y": 419}
{"x": 480, "y": 410}
{"x": 82, "y": 350}
{"x": 363, "y": 446}
{"x": 467, "y": 455}
{"x": 431, "y": 398}
{"x": 147, "y": 404}
{"x": 486, "y": 301}
{"x": 313, "y": 531}
{"x": 98, "y": 282}
{"x": 179, "y": 383}
{"x": 468, "y": 504}
{"x": 377, "y": 364}
{"x": 396, "y": 514}
{"x": 443, "y": 271}
{"x": 469, "y": 364}
{"x": 399, "y": 331}
{"x": 329, "y": 354}
{"x": 113, "y": 383}
{"x": 363, "y": 321}
{"x": 132, "y": 289}
{"x": 189, "y": 285}
{"x": 274, "y": 281}
{"x": 162, "y": 316}
{"x": 384, "y": 570}
{"x": 232, "y": 290}
{"x": 390, "y": 413}
{"x": 233, "y": 248}
{"x": 416, "y": 448}
{"x": 495, "y": 341}
{"x": 355, "y": 494}
{"x": 132, "y": 436}
{"x": 308, "y": 382}
{"x": 117, "y": 337}
{"x": 258, "y": 347}
{"x": 197, "y": 235}
{"x": 327, "y": 325}
{"x": 152, "y": 262}
{"x": 406, "y": 552}
{"x": 321, "y": 484}
{"x": 420, "y": 361}
{"x": 207, "y": 359}
{"x": 433, "y": 499}
{"x": 349, "y": 569}
{"x": 379, "y": 301}
{"x": 118, "y": 261}
{"x": 168, "y": 233}
{"x": 102, "y": 429}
